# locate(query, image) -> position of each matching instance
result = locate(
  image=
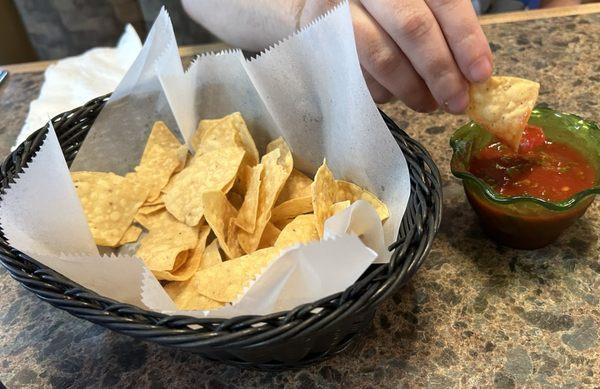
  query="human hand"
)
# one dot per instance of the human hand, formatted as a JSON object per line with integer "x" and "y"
{"x": 423, "y": 52}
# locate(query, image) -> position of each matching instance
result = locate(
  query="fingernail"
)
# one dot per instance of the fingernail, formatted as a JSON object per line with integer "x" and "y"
{"x": 480, "y": 70}
{"x": 458, "y": 103}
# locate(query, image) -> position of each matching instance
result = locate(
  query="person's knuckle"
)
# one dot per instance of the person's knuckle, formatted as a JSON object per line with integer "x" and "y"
{"x": 415, "y": 26}
{"x": 438, "y": 67}
{"x": 383, "y": 60}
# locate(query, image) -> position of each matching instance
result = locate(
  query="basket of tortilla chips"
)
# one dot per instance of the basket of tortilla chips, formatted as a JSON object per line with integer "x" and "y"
{"x": 293, "y": 338}
{"x": 264, "y": 238}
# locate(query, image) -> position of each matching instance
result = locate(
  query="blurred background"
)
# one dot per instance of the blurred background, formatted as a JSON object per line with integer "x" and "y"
{"x": 52, "y": 29}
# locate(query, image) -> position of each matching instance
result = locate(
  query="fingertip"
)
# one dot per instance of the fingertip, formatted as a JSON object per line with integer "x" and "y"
{"x": 457, "y": 104}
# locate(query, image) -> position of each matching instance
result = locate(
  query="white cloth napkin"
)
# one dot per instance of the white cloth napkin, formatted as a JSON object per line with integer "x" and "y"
{"x": 73, "y": 81}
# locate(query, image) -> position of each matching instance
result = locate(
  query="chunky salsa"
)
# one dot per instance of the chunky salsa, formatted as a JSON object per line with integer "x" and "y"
{"x": 544, "y": 169}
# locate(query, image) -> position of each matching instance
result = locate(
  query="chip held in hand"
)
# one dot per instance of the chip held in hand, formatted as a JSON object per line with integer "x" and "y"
{"x": 502, "y": 105}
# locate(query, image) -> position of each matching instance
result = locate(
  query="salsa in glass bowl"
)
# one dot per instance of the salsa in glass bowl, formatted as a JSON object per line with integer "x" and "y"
{"x": 527, "y": 199}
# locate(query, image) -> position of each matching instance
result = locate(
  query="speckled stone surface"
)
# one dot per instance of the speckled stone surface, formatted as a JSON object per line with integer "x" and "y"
{"x": 476, "y": 314}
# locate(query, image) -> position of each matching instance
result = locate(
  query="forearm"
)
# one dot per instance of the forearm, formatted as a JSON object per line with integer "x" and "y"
{"x": 248, "y": 24}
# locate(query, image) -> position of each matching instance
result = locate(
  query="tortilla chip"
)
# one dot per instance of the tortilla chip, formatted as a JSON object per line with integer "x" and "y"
{"x": 291, "y": 208}
{"x": 278, "y": 164}
{"x": 269, "y": 236}
{"x": 219, "y": 214}
{"x": 297, "y": 185}
{"x": 502, "y": 105}
{"x": 203, "y": 127}
{"x": 281, "y": 224}
{"x": 191, "y": 264}
{"x": 211, "y": 255}
{"x": 338, "y": 207}
{"x": 228, "y": 131}
{"x": 187, "y": 298}
{"x": 226, "y": 281}
{"x": 206, "y": 172}
{"x": 162, "y": 156}
{"x": 147, "y": 209}
{"x": 131, "y": 235}
{"x": 159, "y": 200}
{"x": 324, "y": 191}
{"x": 218, "y": 136}
{"x": 352, "y": 192}
{"x": 110, "y": 203}
{"x": 246, "y": 218}
{"x": 302, "y": 229}
{"x": 167, "y": 239}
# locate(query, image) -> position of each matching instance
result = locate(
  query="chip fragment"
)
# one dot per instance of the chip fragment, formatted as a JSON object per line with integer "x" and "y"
{"x": 206, "y": 172}
{"x": 228, "y": 131}
{"x": 291, "y": 208}
{"x": 211, "y": 255}
{"x": 162, "y": 156}
{"x": 190, "y": 264}
{"x": 278, "y": 165}
{"x": 220, "y": 215}
{"x": 302, "y": 229}
{"x": 226, "y": 281}
{"x": 246, "y": 218}
{"x": 352, "y": 192}
{"x": 109, "y": 202}
{"x": 324, "y": 190}
{"x": 502, "y": 105}
{"x": 297, "y": 185}
{"x": 131, "y": 235}
{"x": 187, "y": 297}
{"x": 167, "y": 241}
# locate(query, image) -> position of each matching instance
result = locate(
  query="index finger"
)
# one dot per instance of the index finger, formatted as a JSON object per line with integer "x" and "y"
{"x": 465, "y": 37}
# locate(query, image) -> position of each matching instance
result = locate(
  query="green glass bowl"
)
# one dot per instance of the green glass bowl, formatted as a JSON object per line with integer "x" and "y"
{"x": 523, "y": 221}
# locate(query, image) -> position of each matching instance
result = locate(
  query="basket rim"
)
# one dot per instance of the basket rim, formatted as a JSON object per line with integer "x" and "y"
{"x": 219, "y": 332}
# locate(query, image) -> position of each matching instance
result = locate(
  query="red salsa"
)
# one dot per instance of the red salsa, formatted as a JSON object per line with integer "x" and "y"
{"x": 544, "y": 169}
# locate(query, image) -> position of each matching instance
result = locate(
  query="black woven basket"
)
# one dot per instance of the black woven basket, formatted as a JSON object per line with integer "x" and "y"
{"x": 281, "y": 340}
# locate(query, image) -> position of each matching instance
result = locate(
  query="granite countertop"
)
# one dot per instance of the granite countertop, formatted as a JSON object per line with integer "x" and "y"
{"x": 476, "y": 314}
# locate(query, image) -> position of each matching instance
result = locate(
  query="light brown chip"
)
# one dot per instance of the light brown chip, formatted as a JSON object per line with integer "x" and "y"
{"x": 220, "y": 215}
{"x": 167, "y": 239}
{"x": 203, "y": 127}
{"x": 228, "y": 131}
{"x": 211, "y": 255}
{"x": 324, "y": 191}
{"x": 246, "y": 218}
{"x": 352, "y": 192}
{"x": 226, "y": 281}
{"x": 338, "y": 207}
{"x": 296, "y": 186}
{"x": 218, "y": 136}
{"x": 291, "y": 208}
{"x": 206, "y": 172}
{"x": 162, "y": 156}
{"x": 131, "y": 235}
{"x": 269, "y": 236}
{"x": 301, "y": 230}
{"x": 280, "y": 224}
{"x": 147, "y": 209}
{"x": 186, "y": 296}
{"x": 278, "y": 164}
{"x": 190, "y": 264}
{"x": 110, "y": 203}
{"x": 502, "y": 105}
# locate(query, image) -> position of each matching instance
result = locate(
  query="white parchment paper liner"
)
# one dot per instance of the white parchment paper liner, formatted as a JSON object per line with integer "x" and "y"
{"x": 308, "y": 89}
